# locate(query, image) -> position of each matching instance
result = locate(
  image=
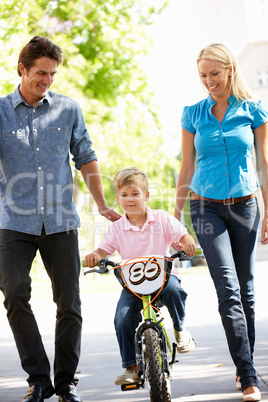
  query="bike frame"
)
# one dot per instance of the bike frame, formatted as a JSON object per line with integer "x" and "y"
{"x": 150, "y": 321}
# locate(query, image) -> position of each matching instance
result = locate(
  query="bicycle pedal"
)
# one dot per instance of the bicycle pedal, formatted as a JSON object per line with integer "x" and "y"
{"x": 132, "y": 387}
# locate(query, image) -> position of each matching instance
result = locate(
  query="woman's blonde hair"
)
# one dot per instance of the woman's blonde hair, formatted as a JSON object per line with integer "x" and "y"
{"x": 221, "y": 54}
{"x": 129, "y": 176}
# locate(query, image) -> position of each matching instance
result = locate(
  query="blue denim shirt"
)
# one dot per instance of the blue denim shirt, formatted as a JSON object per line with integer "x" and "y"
{"x": 36, "y": 184}
{"x": 224, "y": 150}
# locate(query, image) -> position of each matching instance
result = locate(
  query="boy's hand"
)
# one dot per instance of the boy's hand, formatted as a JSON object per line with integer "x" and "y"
{"x": 189, "y": 249}
{"x": 187, "y": 244}
{"x": 92, "y": 259}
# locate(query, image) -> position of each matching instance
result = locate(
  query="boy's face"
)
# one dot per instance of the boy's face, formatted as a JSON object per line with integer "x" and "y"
{"x": 132, "y": 199}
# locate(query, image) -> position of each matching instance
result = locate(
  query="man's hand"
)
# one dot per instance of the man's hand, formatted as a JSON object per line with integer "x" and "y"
{"x": 109, "y": 214}
{"x": 92, "y": 177}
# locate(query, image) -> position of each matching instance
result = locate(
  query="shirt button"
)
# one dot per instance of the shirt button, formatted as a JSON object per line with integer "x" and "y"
{"x": 34, "y": 110}
{"x": 58, "y": 128}
{"x": 39, "y": 168}
{"x": 42, "y": 208}
{"x": 13, "y": 132}
{"x": 35, "y": 130}
{"x": 41, "y": 188}
{"x": 37, "y": 149}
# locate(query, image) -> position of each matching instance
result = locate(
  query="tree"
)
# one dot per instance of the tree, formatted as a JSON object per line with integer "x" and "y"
{"x": 103, "y": 43}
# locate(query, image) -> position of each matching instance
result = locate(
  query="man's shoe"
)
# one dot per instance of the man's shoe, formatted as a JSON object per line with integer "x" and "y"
{"x": 69, "y": 394}
{"x": 129, "y": 376}
{"x": 185, "y": 343}
{"x": 37, "y": 393}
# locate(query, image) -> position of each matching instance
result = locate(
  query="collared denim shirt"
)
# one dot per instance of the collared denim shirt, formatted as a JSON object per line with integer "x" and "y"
{"x": 36, "y": 184}
{"x": 224, "y": 150}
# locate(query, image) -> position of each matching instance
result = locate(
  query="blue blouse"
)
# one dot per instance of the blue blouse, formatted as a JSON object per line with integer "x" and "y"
{"x": 224, "y": 150}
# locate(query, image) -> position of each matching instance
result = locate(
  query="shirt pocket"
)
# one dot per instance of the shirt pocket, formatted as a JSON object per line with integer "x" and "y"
{"x": 58, "y": 139}
{"x": 15, "y": 143}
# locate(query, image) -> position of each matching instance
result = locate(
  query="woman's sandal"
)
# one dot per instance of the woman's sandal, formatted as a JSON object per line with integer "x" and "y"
{"x": 254, "y": 397}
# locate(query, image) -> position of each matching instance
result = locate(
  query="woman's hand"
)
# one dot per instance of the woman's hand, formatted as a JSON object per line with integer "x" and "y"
{"x": 264, "y": 230}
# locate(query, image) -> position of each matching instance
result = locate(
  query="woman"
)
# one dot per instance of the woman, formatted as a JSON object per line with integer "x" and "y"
{"x": 221, "y": 131}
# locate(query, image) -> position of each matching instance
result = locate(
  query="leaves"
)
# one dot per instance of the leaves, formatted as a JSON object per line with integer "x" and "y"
{"x": 103, "y": 42}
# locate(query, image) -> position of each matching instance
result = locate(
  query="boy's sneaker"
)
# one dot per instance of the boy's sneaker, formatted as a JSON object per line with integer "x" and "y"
{"x": 129, "y": 376}
{"x": 185, "y": 343}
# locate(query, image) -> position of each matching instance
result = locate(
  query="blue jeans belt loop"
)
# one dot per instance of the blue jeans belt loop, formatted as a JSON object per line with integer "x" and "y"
{"x": 226, "y": 201}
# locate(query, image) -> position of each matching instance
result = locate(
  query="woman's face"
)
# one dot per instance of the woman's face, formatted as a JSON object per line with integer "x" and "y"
{"x": 215, "y": 78}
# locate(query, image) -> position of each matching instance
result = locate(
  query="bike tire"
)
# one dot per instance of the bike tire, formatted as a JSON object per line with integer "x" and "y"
{"x": 153, "y": 369}
{"x": 166, "y": 390}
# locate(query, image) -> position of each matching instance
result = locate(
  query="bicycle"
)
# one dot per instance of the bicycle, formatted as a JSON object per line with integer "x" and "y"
{"x": 146, "y": 277}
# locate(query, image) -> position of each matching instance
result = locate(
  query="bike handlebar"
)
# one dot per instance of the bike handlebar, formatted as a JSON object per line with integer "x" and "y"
{"x": 104, "y": 263}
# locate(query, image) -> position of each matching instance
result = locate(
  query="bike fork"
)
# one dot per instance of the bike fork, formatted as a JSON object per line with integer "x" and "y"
{"x": 139, "y": 351}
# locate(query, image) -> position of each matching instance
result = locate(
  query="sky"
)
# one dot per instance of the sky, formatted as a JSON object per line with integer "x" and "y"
{"x": 179, "y": 33}
{"x": 171, "y": 68}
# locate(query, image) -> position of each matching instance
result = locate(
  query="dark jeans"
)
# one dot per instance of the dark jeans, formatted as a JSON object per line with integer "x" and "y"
{"x": 128, "y": 316}
{"x": 228, "y": 234}
{"x": 60, "y": 256}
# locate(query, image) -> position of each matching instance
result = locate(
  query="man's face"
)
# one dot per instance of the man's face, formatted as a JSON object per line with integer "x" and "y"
{"x": 36, "y": 81}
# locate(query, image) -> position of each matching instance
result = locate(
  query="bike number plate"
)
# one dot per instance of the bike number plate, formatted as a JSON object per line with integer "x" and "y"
{"x": 144, "y": 275}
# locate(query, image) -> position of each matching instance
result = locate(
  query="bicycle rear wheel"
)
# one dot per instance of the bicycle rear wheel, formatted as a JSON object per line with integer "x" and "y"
{"x": 158, "y": 383}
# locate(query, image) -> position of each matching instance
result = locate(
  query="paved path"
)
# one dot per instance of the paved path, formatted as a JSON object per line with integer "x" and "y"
{"x": 206, "y": 374}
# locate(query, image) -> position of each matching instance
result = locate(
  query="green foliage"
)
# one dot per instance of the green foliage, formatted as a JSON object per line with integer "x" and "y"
{"x": 104, "y": 42}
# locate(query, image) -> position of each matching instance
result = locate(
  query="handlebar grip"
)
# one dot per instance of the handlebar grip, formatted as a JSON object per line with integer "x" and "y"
{"x": 198, "y": 252}
{"x": 183, "y": 257}
{"x": 84, "y": 265}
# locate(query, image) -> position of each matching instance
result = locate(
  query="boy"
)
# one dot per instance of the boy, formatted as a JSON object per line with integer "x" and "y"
{"x": 142, "y": 231}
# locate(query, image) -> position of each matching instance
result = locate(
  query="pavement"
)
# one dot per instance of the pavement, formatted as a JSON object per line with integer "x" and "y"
{"x": 205, "y": 374}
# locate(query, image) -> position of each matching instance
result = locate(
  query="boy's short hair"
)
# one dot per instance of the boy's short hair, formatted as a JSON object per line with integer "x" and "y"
{"x": 129, "y": 176}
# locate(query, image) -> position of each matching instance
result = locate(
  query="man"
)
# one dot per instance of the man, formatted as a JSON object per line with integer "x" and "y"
{"x": 38, "y": 130}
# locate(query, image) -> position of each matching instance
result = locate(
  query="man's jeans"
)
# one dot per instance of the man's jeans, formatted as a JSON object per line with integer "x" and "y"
{"x": 227, "y": 234}
{"x": 128, "y": 316}
{"x": 60, "y": 255}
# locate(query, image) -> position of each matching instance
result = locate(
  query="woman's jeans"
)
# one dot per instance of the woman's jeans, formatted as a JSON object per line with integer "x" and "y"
{"x": 227, "y": 235}
{"x": 128, "y": 316}
{"x": 60, "y": 255}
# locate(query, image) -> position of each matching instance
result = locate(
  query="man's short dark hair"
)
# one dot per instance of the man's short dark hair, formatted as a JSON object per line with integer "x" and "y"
{"x": 39, "y": 46}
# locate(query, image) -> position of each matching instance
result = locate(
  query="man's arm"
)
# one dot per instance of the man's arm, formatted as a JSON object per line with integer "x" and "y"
{"x": 92, "y": 178}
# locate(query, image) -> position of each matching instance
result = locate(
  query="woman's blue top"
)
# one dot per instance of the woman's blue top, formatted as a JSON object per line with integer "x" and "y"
{"x": 224, "y": 150}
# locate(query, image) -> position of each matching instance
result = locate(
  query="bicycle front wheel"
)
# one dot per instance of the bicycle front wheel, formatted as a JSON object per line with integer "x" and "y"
{"x": 166, "y": 390}
{"x": 158, "y": 383}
